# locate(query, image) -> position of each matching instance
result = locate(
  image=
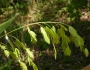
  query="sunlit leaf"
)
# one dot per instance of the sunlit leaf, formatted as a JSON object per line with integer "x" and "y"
{"x": 33, "y": 35}
{"x": 72, "y": 31}
{"x": 54, "y": 29}
{"x": 79, "y": 41}
{"x": 23, "y": 66}
{"x": 29, "y": 53}
{"x": 7, "y": 53}
{"x": 17, "y": 53}
{"x": 61, "y": 32}
{"x": 18, "y": 43}
{"x": 52, "y": 34}
{"x": 86, "y": 52}
{"x": 13, "y": 55}
{"x": 62, "y": 26}
{"x": 2, "y": 47}
{"x": 49, "y": 32}
{"x": 67, "y": 51}
{"x": 34, "y": 67}
{"x": 45, "y": 36}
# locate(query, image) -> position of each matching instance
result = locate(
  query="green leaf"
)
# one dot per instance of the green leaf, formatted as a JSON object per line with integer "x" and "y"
{"x": 29, "y": 53}
{"x": 2, "y": 47}
{"x": 61, "y": 32}
{"x": 54, "y": 29}
{"x": 33, "y": 35}
{"x": 18, "y": 43}
{"x": 62, "y": 26}
{"x": 7, "y": 53}
{"x": 72, "y": 38}
{"x": 66, "y": 38}
{"x": 72, "y": 31}
{"x": 7, "y": 23}
{"x": 17, "y": 53}
{"x": 32, "y": 63}
{"x": 86, "y": 52}
{"x": 23, "y": 65}
{"x": 34, "y": 67}
{"x": 45, "y": 36}
{"x": 67, "y": 51}
{"x": 79, "y": 41}
{"x": 52, "y": 34}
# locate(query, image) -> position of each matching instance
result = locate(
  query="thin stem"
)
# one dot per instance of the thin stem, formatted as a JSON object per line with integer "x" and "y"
{"x": 36, "y": 23}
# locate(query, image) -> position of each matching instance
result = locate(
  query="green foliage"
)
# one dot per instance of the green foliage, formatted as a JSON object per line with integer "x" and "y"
{"x": 45, "y": 36}
{"x": 7, "y": 23}
{"x": 33, "y": 35}
{"x": 55, "y": 33}
{"x": 23, "y": 65}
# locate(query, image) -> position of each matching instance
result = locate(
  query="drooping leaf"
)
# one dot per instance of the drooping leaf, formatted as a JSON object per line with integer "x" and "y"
{"x": 13, "y": 55}
{"x": 18, "y": 43}
{"x": 7, "y": 23}
{"x": 86, "y": 52}
{"x": 52, "y": 34}
{"x": 29, "y": 53}
{"x": 55, "y": 37}
{"x": 23, "y": 65}
{"x": 7, "y": 53}
{"x": 63, "y": 45}
{"x": 34, "y": 66}
{"x": 67, "y": 51}
{"x": 72, "y": 31}
{"x": 49, "y": 32}
{"x": 62, "y": 26}
{"x": 79, "y": 41}
{"x": 17, "y": 53}
{"x": 72, "y": 38}
{"x": 61, "y": 32}
{"x": 67, "y": 39}
{"x": 32, "y": 63}
{"x": 33, "y": 35}
{"x": 2, "y": 47}
{"x": 45, "y": 36}
{"x": 54, "y": 29}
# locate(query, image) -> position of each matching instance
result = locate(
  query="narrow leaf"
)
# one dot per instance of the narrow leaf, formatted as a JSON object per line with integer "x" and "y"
{"x": 7, "y": 23}
{"x": 18, "y": 43}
